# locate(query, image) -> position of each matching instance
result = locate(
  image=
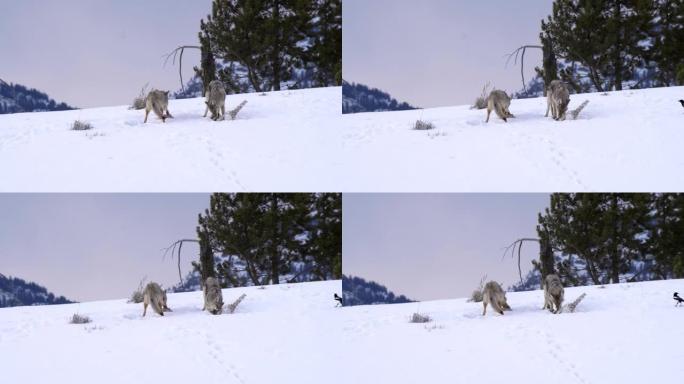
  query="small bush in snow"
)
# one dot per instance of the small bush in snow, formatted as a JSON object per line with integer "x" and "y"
{"x": 79, "y": 319}
{"x": 137, "y": 295}
{"x": 419, "y": 318}
{"x": 81, "y": 126}
{"x": 476, "y": 296}
{"x": 139, "y": 102}
{"x": 481, "y": 101}
{"x": 423, "y": 125}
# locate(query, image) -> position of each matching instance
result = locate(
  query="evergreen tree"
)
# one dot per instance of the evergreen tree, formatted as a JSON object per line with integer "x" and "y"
{"x": 261, "y": 35}
{"x": 326, "y": 235}
{"x": 604, "y": 36}
{"x": 327, "y": 43}
{"x": 666, "y": 240}
{"x": 668, "y": 40}
{"x": 264, "y": 231}
{"x": 603, "y": 230}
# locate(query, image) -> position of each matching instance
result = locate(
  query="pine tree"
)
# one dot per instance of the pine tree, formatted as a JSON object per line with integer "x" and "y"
{"x": 604, "y": 36}
{"x": 324, "y": 245}
{"x": 261, "y": 35}
{"x": 666, "y": 240}
{"x": 602, "y": 230}
{"x": 327, "y": 43}
{"x": 668, "y": 40}
{"x": 263, "y": 231}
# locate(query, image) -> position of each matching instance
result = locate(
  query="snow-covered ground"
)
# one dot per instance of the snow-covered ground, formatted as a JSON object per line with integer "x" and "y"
{"x": 626, "y": 333}
{"x": 280, "y": 334}
{"x": 280, "y": 141}
{"x": 622, "y": 141}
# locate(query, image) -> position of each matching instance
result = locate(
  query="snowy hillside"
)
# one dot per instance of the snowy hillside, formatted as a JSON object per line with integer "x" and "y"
{"x": 626, "y": 141}
{"x": 280, "y": 141}
{"x": 280, "y": 334}
{"x": 16, "y": 292}
{"x": 627, "y": 333}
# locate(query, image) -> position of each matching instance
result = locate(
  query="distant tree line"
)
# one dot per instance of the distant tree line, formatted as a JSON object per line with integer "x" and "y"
{"x": 18, "y": 292}
{"x": 262, "y": 45}
{"x": 602, "y": 45}
{"x": 357, "y": 291}
{"x": 271, "y": 238}
{"x": 361, "y": 98}
{"x": 610, "y": 238}
{"x": 16, "y": 98}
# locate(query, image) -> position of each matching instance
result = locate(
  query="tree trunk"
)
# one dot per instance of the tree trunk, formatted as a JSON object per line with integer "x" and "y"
{"x": 275, "y": 259}
{"x": 275, "y": 58}
{"x": 617, "y": 60}
{"x": 206, "y": 258}
{"x": 615, "y": 255}
{"x": 546, "y": 256}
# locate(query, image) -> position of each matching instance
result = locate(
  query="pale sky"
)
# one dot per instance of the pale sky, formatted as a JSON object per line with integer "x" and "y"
{"x": 96, "y": 246}
{"x": 437, "y": 246}
{"x": 439, "y": 52}
{"x": 97, "y": 52}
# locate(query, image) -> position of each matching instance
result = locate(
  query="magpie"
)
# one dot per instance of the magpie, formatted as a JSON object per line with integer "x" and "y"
{"x": 681, "y": 102}
{"x": 678, "y": 299}
{"x": 338, "y": 299}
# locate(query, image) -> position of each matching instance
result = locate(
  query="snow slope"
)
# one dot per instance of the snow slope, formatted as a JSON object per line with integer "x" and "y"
{"x": 280, "y": 334}
{"x": 622, "y": 141}
{"x": 626, "y": 333}
{"x": 280, "y": 141}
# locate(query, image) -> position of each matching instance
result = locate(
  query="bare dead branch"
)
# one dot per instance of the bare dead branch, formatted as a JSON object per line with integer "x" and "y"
{"x": 520, "y": 52}
{"x": 178, "y": 244}
{"x": 511, "y": 248}
{"x": 178, "y": 53}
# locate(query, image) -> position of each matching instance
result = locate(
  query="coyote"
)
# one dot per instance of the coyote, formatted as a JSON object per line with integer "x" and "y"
{"x": 498, "y": 101}
{"x": 494, "y": 295}
{"x": 216, "y": 100}
{"x": 213, "y": 299}
{"x": 158, "y": 101}
{"x": 553, "y": 293}
{"x": 153, "y": 295}
{"x": 557, "y": 100}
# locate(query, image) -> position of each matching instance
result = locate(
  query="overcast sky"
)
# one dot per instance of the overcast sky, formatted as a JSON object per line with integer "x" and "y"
{"x": 439, "y": 52}
{"x": 96, "y": 246}
{"x": 97, "y": 52}
{"x": 437, "y": 246}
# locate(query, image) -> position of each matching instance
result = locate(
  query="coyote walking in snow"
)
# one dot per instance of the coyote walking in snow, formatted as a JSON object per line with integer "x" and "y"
{"x": 153, "y": 295}
{"x": 557, "y": 99}
{"x": 494, "y": 295}
{"x": 216, "y": 100}
{"x": 553, "y": 293}
{"x": 498, "y": 101}
{"x": 158, "y": 101}
{"x": 213, "y": 299}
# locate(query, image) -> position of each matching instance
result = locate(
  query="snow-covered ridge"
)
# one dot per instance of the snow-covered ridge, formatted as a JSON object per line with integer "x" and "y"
{"x": 280, "y": 141}
{"x": 626, "y": 333}
{"x": 278, "y": 334}
{"x": 622, "y": 141}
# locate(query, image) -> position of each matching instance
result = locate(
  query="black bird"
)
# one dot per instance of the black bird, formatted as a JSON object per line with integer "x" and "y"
{"x": 678, "y": 299}
{"x": 338, "y": 299}
{"x": 682, "y": 102}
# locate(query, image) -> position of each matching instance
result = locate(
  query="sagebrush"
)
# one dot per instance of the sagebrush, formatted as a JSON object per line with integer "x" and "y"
{"x": 79, "y": 319}
{"x": 79, "y": 125}
{"x": 420, "y": 318}
{"x": 421, "y": 125}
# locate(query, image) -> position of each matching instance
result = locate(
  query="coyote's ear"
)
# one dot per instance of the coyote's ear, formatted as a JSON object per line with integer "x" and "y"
{"x": 166, "y": 92}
